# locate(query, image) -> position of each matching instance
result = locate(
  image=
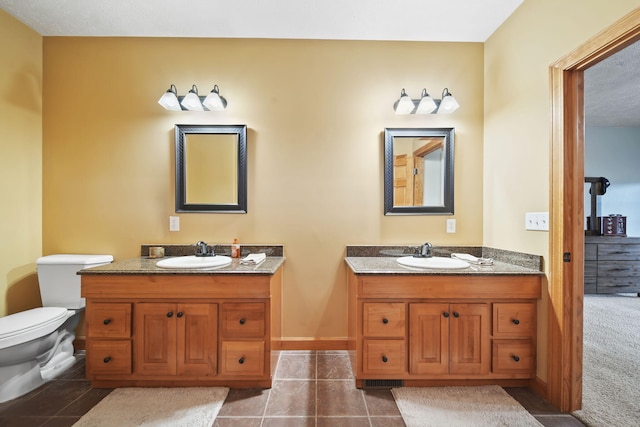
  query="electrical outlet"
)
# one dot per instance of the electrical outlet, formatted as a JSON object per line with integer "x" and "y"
{"x": 451, "y": 225}
{"x": 537, "y": 221}
{"x": 174, "y": 223}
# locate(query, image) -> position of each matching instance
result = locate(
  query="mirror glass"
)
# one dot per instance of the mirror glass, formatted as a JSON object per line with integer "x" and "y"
{"x": 418, "y": 171}
{"x": 211, "y": 168}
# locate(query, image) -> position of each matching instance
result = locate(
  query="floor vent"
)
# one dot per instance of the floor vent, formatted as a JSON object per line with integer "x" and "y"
{"x": 383, "y": 383}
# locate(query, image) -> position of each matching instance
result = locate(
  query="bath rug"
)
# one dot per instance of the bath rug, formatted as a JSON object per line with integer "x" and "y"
{"x": 129, "y": 407}
{"x": 477, "y": 406}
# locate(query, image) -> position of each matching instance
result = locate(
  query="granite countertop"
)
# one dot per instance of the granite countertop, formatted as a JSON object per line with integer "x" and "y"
{"x": 382, "y": 260}
{"x": 146, "y": 266}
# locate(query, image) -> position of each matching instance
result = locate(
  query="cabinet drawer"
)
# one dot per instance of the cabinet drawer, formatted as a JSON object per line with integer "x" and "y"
{"x": 108, "y": 357}
{"x": 514, "y": 319}
{"x": 243, "y": 320}
{"x": 513, "y": 357}
{"x": 384, "y": 319}
{"x": 384, "y": 357}
{"x": 242, "y": 358}
{"x": 109, "y": 320}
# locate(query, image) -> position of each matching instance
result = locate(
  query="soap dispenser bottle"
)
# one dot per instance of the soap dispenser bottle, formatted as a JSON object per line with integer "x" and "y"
{"x": 235, "y": 249}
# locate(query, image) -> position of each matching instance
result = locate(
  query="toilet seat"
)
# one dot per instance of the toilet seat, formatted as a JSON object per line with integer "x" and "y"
{"x": 31, "y": 324}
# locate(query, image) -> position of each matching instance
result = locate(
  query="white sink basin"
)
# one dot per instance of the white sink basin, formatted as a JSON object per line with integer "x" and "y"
{"x": 433, "y": 262}
{"x": 194, "y": 262}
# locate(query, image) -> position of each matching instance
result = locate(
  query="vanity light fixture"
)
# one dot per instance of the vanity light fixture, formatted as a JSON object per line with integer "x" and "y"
{"x": 426, "y": 104}
{"x": 192, "y": 101}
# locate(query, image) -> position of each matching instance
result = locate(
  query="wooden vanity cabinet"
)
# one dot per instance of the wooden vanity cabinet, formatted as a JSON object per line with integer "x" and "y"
{"x": 443, "y": 329}
{"x": 182, "y": 330}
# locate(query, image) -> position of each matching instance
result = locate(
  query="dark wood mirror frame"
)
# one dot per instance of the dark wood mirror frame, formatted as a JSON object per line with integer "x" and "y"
{"x": 447, "y": 206}
{"x": 181, "y": 133}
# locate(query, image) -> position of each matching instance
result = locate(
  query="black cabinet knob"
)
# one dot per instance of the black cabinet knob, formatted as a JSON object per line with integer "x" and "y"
{"x": 241, "y": 360}
{"x": 385, "y": 320}
{"x": 456, "y": 314}
{"x": 179, "y": 314}
{"x": 170, "y": 314}
{"x": 516, "y": 321}
{"x": 516, "y": 358}
{"x": 106, "y": 321}
{"x": 242, "y": 321}
{"x": 384, "y": 359}
{"x": 445, "y": 314}
{"x": 107, "y": 359}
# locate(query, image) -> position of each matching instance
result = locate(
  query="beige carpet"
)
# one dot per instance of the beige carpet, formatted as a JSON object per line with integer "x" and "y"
{"x": 188, "y": 407}
{"x": 611, "y": 361}
{"x": 482, "y": 406}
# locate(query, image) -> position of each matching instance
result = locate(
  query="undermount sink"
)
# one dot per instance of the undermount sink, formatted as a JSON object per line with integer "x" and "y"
{"x": 435, "y": 262}
{"x": 194, "y": 262}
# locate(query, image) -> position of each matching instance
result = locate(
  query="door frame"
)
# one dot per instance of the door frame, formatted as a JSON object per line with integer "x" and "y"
{"x": 566, "y": 279}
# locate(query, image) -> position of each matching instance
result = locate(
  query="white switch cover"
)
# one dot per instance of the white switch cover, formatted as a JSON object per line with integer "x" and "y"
{"x": 451, "y": 225}
{"x": 174, "y": 223}
{"x": 537, "y": 221}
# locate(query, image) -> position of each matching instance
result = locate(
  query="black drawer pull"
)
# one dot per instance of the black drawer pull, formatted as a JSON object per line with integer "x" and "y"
{"x": 384, "y": 359}
{"x": 385, "y": 320}
{"x": 170, "y": 314}
{"x": 242, "y": 321}
{"x": 106, "y": 321}
{"x": 179, "y": 314}
{"x": 241, "y": 360}
{"x": 456, "y": 314}
{"x": 516, "y": 321}
{"x": 516, "y": 358}
{"x": 107, "y": 359}
{"x": 445, "y": 314}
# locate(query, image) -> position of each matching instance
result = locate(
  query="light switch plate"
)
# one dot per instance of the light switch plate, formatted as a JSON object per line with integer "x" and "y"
{"x": 451, "y": 225}
{"x": 174, "y": 223}
{"x": 538, "y": 221}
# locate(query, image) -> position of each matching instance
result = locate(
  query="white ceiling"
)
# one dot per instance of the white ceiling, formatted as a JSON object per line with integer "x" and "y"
{"x": 419, "y": 20}
{"x": 612, "y": 88}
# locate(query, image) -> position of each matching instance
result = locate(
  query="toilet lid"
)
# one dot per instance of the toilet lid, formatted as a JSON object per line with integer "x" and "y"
{"x": 30, "y": 320}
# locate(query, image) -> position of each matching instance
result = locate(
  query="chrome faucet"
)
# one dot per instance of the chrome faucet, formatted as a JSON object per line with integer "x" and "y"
{"x": 202, "y": 249}
{"x": 423, "y": 251}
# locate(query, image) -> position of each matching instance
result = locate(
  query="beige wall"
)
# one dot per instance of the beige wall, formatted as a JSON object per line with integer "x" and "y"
{"x": 517, "y": 118}
{"x": 315, "y": 111}
{"x": 20, "y": 164}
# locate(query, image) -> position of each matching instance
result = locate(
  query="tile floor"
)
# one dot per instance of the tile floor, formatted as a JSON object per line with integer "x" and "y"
{"x": 310, "y": 388}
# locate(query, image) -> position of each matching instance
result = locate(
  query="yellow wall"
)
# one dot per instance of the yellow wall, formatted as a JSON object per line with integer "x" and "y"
{"x": 315, "y": 111}
{"x": 20, "y": 164}
{"x": 517, "y": 118}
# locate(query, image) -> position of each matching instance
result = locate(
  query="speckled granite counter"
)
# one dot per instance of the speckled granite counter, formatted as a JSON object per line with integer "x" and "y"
{"x": 382, "y": 260}
{"x": 145, "y": 265}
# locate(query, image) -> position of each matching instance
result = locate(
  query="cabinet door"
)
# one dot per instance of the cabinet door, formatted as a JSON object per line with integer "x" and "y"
{"x": 155, "y": 339}
{"x": 429, "y": 338}
{"x": 197, "y": 339}
{"x": 470, "y": 339}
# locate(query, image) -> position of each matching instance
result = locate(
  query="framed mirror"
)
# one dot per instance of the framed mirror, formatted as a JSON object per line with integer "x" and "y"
{"x": 211, "y": 168}
{"x": 418, "y": 171}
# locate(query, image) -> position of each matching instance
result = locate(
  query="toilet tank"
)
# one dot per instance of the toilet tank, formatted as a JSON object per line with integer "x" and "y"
{"x": 59, "y": 283}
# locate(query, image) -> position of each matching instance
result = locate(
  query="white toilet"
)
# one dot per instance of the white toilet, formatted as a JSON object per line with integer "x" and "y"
{"x": 37, "y": 345}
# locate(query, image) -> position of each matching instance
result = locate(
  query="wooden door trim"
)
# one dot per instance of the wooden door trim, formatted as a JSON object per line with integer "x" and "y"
{"x": 566, "y": 288}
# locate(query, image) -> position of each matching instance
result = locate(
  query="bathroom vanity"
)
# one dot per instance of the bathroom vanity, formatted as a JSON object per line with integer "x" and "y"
{"x": 148, "y": 326}
{"x": 422, "y": 327}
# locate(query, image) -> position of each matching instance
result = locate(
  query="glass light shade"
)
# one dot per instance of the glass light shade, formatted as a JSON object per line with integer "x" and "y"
{"x": 214, "y": 102}
{"x": 426, "y": 105}
{"x": 170, "y": 101}
{"x": 448, "y": 104}
{"x": 192, "y": 102}
{"x": 404, "y": 105}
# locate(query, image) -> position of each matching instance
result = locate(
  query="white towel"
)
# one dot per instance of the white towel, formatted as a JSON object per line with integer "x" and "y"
{"x": 253, "y": 259}
{"x": 472, "y": 259}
